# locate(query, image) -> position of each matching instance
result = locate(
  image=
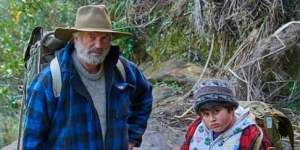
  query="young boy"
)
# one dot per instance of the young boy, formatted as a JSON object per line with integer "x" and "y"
{"x": 222, "y": 124}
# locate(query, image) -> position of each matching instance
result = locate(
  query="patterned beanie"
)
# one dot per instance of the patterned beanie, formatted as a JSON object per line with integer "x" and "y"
{"x": 212, "y": 90}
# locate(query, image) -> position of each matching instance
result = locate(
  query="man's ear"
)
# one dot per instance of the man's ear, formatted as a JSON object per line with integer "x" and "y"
{"x": 75, "y": 38}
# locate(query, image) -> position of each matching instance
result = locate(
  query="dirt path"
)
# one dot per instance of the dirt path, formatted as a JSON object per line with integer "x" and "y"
{"x": 158, "y": 137}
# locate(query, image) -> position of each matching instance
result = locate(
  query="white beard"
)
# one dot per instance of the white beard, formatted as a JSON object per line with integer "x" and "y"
{"x": 83, "y": 54}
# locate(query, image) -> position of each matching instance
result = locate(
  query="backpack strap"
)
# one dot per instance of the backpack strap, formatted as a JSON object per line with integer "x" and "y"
{"x": 190, "y": 133}
{"x": 56, "y": 77}
{"x": 121, "y": 68}
{"x": 259, "y": 139}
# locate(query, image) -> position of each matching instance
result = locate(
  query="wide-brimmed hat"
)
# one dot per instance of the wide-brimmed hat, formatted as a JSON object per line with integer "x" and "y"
{"x": 213, "y": 90}
{"x": 93, "y": 18}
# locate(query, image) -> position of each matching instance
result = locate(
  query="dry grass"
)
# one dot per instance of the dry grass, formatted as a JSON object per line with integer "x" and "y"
{"x": 261, "y": 38}
{"x": 258, "y": 47}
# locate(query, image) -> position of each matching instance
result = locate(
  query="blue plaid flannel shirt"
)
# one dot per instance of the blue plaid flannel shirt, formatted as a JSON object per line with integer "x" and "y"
{"x": 71, "y": 121}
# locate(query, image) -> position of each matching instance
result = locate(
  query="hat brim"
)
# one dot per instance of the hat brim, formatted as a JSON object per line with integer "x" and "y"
{"x": 66, "y": 34}
{"x": 199, "y": 105}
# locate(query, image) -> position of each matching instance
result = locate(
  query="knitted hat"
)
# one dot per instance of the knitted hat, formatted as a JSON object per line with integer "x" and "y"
{"x": 213, "y": 90}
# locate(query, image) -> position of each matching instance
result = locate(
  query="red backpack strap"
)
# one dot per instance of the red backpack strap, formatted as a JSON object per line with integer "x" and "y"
{"x": 249, "y": 137}
{"x": 190, "y": 132}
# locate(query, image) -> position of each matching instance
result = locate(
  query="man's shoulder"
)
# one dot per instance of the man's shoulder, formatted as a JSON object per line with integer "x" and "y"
{"x": 43, "y": 76}
{"x": 129, "y": 65}
{"x": 127, "y": 62}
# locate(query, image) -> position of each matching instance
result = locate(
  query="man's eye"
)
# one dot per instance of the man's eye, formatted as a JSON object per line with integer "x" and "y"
{"x": 217, "y": 110}
{"x": 104, "y": 38}
{"x": 92, "y": 36}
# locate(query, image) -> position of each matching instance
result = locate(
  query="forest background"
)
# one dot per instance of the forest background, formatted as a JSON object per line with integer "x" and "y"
{"x": 228, "y": 38}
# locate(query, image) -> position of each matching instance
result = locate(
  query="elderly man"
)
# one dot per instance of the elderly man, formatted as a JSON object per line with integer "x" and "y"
{"x": 96, "y": 108}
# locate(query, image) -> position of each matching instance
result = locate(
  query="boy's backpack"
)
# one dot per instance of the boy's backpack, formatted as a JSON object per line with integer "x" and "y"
{"x": 273, "y": 123}
{"x": 41, "y": 50}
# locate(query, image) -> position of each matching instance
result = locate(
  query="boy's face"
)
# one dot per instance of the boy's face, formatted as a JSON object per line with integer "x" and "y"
{"x": 218, "y": 119}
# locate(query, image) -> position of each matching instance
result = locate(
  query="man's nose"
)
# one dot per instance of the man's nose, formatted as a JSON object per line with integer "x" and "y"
{"x": 98, "y": 44}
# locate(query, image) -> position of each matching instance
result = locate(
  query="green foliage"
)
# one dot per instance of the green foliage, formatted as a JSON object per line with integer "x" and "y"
{"x": 126, "y": 47}
{"x": 175, "y": 86}
{"x": 118, "y": 12}
{"x": 294, "y": 106}
{"x": 173, "y": 42}
{"x": 293, "y": 90}
{"x": 125, "y": 43}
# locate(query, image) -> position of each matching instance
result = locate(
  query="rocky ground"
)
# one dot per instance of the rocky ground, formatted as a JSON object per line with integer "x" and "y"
{"x": 171, "y": 83}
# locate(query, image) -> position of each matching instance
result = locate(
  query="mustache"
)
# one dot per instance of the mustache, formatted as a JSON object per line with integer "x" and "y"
{"x": 96, "y": 49}
{"x": 93, "y": 48}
